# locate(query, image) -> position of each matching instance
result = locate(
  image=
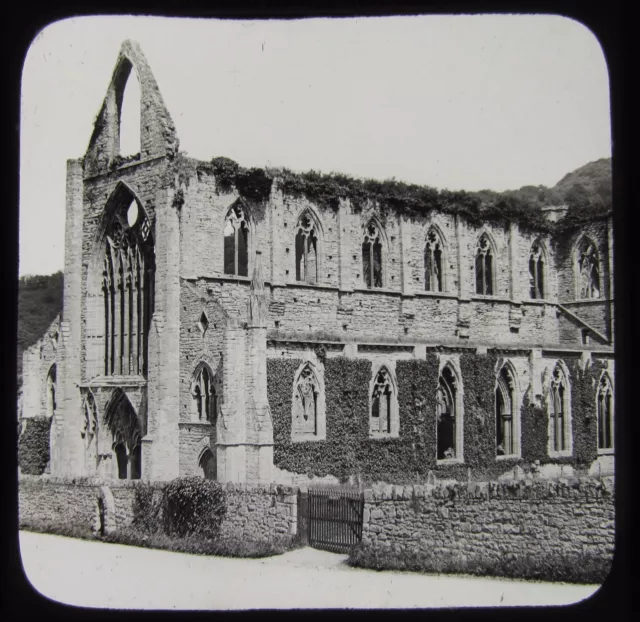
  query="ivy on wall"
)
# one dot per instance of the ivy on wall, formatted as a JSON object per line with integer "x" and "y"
{"x": 534, "y": 430}
{"x": 348, "y": 450}
{"x": 584, "y": 387}
{"x": 33, "y": 445}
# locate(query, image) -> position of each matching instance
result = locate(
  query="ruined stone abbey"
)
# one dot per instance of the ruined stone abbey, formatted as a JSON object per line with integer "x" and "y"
{"x": 210, "y": 329}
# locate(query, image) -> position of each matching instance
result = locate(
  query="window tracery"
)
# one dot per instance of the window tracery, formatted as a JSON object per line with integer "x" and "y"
{"x": 605, "y": 413}
{"x": 433, "y": 263}
{"x": 559, "y": 411}
{"x": 588, "y": 270}
{"x": 372, "y": 256}
{"x": 536, "y": 272}
{"x": 484, "y": 267}
{"x": 306, "y": 250}
{"x": 447, "y": 416}
{"x": 236, "y": 242}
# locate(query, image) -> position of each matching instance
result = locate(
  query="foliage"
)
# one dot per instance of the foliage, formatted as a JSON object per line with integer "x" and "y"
{"x": 148, "y": 506}
{"x": 33, "y": 445}
{"x": 586, "y": 568}
{"x": 194, "y": 505}
{"x": 584, "y": 422}
{"x": 534, "y": 428}
{"x": 39, "y": 301}
{"x": 200, "y": 544}
{"x": 196, "y": 544}
{"x": 478, "y": 387}
{"x": 523, "y": 206}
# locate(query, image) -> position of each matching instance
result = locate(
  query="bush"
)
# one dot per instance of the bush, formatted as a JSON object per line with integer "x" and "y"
{"x": 194, "y": 506}
{"x": 33, "y": 445}
{"x": 148, "y": 505}
{"x": 585, "y": 568}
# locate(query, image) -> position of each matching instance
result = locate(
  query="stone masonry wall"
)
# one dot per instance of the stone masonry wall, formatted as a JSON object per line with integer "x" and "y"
{"x": 258, "y": 512}
{"x": 340, "y": 304}
{"x": 532, "y": 518}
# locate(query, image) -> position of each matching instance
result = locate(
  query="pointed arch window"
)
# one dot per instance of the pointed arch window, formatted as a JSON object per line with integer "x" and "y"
{"x": 588, "y": 270}
{"x": 536, "y": 272}
{"x": 236, "y": 242}
{"x": 205, "y": 396}
{"x": 128, "y": 288}
{"x": 484, "y": 267}
{"x": 605, "y": 413}
{"x": 90, "y": 422}
{"x": 447, "y": 416}
{"x": 372, "y": 256}
{"x": 306, "y": 250}
{"x": 51, "y": 392}
{"x": 559, "y": 415}
{"x": 384, "y": 407}
{"x": 433, "y": 263}
{"x": 305, "y": 403}
{"x": 506, "y": 416}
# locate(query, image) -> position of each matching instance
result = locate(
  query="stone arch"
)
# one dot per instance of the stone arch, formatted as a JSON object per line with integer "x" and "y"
{"x": 206, "y": 393}
{"x": 587, "y": 268}
{"x": 129, "y": 101}
{"x": 559, "y": 410}
{"x": 206, "y": 458}
{"x": 309, "y": 246}
{"x": 449, "y": 412}
{"x": 485, "y": 261}
{"x": 605, "y": 413}
{"x": 538, "y": 270}
{"x": 507, "y": 405}
{"x": 237, "y": 239}
{"x": 384, "y": 418}
{"x": 308, "y": 416}
{"x": 374, "y": 255}
{"x": 122, "y": 421}
{"x": 435, "y": 268}
{"x": 157, "y": 131}
{"x": 120, "y": 287}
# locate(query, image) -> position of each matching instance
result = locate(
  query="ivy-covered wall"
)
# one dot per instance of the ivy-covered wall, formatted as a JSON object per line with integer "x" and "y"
{"x": 348, "y": 450}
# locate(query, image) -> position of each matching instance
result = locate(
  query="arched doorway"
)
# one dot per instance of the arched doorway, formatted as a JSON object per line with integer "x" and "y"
{"x": 123, "y": 423}
{"x": 208, "y": 465}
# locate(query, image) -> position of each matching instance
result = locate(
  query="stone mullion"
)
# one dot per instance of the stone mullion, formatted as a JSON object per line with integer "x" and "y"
{"x": 134, "y": 313}
{"x": 142, "y": 319}
{"x": 107, "y": 326}
{"x": 126, "y": 325}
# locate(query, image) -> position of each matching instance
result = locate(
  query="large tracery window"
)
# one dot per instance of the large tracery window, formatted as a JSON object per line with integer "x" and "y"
{"x": 536, "y": 271}
{"x": 90, "y": 419}
{"x": 383, "y": 404}
{"x": 205, "y": 396}
{"x": 447, "y": 416}
{"x": 372, "y": 256}
{"x": 484, "y": 267}
{"x": 605, "y": 414}
{"x": 588, "y": 270}
{"x": 306, "y": 250}
{"x": 128, "y": 282}
{"x": 505, "y": 414}
{"x": 236, "y": 242}
{"x": 433, "y": 263}
{"x": 559, "y": 415}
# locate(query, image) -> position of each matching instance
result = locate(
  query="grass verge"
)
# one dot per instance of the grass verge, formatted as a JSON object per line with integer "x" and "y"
{"x": 565, "y": 568}
{"x": 195, "y": 544}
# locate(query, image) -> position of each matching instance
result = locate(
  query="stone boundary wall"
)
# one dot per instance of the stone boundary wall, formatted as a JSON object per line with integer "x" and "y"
{"x": 258, "y": 512}
{"x": 533, "y": 518}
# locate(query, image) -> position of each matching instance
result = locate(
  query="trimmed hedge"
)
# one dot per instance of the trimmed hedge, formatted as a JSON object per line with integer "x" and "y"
{"x": 33, "y": 445}
{"x": 193, "y": 505}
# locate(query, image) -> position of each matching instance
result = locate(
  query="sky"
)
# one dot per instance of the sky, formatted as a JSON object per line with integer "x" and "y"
{"x": 457, "y": 102}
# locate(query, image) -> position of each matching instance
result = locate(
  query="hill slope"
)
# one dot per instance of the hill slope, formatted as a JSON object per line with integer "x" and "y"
{"x": 39, "y": 301}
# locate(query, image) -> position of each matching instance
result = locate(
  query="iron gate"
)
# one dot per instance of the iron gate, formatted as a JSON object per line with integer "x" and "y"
{"x": 331, "y": 519}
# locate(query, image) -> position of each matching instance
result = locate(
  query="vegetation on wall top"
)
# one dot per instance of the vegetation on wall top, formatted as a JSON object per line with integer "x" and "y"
{"x": 586, "y": 192}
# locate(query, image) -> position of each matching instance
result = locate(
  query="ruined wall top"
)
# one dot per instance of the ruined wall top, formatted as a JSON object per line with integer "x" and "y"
{"x": 157, "y": 131}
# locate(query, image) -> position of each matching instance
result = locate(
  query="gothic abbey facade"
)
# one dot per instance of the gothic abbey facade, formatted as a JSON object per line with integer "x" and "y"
{"x": 185, "y": 302}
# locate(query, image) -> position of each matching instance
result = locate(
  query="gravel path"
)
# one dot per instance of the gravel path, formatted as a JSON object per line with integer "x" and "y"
{"x": 95, "y": 574}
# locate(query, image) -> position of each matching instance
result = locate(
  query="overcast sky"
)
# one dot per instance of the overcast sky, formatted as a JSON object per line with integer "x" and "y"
{"x": 467, "y": 102}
